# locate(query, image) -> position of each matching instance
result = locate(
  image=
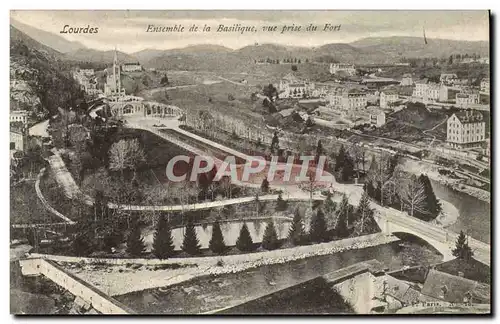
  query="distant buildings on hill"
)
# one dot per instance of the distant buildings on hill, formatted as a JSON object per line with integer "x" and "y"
{"x": 349, "y": 69}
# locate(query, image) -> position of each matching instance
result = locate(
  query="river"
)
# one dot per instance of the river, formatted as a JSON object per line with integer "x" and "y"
{"x": 475, "y": 214}
{"x": 214, "y": 292}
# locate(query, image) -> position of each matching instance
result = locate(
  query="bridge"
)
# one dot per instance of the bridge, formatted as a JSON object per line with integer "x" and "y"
{"x": 393, "y": 221}
{"x": 136, "y": 106}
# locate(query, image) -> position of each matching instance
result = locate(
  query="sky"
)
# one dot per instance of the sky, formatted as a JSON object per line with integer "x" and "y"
{"x": 126, "y": 30}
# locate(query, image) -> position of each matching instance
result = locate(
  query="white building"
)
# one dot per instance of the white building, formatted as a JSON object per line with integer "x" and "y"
{"x": 429, "y": 92}
{"x": 377, "y": 118}
{"x": 466, "y": 129}
{"x": 131, "y": 67}
{"x": 387, "y": 97}
{"x": 291, "y": 87}
{"x": 17, "y": 140}
{"x": 19, "y": 116}
{"x": 342, "y": 67}
{"x": 87, "y": 72}
{"x": 463, "y": 100}
{"x": 348, "y": 100}
{"x": 407, "y": 80}
{"x": 485, "y": 85}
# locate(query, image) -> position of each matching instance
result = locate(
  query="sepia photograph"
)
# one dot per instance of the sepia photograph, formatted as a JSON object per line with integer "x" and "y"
{"x": 250, "y": 162}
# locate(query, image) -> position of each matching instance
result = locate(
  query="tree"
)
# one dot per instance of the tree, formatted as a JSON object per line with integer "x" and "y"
{"x": 294, "y": 68}
{"x": 264, "y": 187}
{"x": 164, "y": 80}
{"x": 135, "y": 243}
{"x": 413, "y": 196}
{"x": 125, "y": 155}
{"x": 343, "y": 215}
{"x": 433, "y": 204}
{"x": 296, "y": 234}
{"x": 311, "y": 186}
{"x": 191, "y": 244}
{"x": 101, "y": 209}
{"x": 270, "y": 91}
{"x": 364, "y": 215}
{"x": 275, "y": 143}
{"x": 216, "y": 244}
{"x": 462, "y": 249}
{"x": 163, "y": 243}
{"x": 244, "y": 243}
{"x": 450, "y": 60}
{"x": 317, "y": 229}
{"x": 281, "y": 204}
{"x": 270, "y": 239}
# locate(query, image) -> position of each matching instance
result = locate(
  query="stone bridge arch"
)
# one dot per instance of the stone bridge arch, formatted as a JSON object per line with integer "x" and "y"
{"x": 442, "y": 244}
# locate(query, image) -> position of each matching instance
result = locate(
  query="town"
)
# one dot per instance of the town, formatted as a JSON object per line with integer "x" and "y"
{"x": 121, "y": 202}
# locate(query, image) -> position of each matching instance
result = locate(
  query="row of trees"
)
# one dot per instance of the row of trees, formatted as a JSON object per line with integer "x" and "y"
{"x": 349, "y": 221}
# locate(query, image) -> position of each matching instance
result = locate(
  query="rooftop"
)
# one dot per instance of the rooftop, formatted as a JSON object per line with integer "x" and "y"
{"x": 453, "y": 289}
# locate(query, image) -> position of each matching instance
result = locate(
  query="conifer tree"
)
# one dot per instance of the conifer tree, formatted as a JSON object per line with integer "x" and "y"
{"x": 342, "y": 227}
{"x": 135, "y": 243}
{"x": 318, "y": 230}
{"x": 330, "y": 205}
{"x": 190, "y": 244}
{"x": 163, "y": 243}
{"x": 216, "y": 243}
{"x": 281, "y": 204}
{"x": 296, "y": 233}
{"x": 462, "y": 249}
{"x": 244, "y": 242}
{"x": 264, "y": 187}
{"x": 433, "y": 204}
{"x": 364, "y": 216}
{"x": 270, "y": 239}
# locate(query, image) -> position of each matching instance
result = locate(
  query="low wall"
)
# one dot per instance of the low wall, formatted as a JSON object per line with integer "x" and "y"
{"x": 281, "y": 255}
{"x": 96, "y": 298}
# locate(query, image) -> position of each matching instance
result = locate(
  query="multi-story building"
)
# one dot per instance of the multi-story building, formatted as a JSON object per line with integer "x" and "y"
{"x": 407, "y": 80}
{"x": 348, "y": 100}
{"x": 387, "y": 97}
{"x": 291, "y": 87}
{"x": 19, "y": 116}
{"x": 342, "y": 67}
{"x": 429, "y": 92}
{"x": 131, "y": 67}
{"x": 465, "y": 99}
{"x": 466, "y": 129}
{"x": 448, "y": 78}
{"x": 377, "y": 118}
{"x": 485, "y": 85}
{"x": 87, "y": 72}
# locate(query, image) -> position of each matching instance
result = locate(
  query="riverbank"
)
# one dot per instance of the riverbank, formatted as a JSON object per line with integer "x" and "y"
{"x": 133, "y": 275}
{"x": 448, "y": 216}
{"x": 418, "y": 167}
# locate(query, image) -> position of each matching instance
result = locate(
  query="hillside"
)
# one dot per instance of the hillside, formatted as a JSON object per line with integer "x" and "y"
{"x": 39, "y": 82}
{"x": 96, "y": 56}
{"x": 415, "y": 47}
{"x": 54, "y": 41}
